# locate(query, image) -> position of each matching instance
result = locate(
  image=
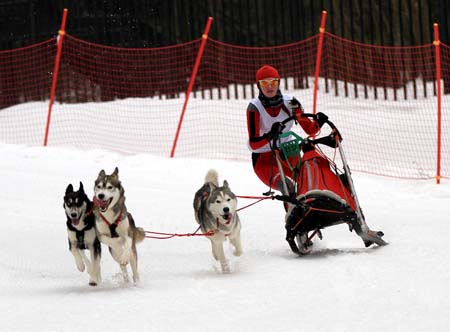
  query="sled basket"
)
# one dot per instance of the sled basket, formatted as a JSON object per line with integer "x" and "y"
{"x": 320, "y": 209}
{"x": 291, "y": 148}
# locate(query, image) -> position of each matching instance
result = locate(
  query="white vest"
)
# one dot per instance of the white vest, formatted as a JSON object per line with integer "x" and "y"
{"x": 266, "y": 121}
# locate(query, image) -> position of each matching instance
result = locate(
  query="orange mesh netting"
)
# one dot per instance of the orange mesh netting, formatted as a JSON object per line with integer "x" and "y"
{"x": 383, "y": 99}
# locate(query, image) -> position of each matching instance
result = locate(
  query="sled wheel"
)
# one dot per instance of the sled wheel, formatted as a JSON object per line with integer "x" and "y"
{"x": 301, "y": 245}
{"x": 293, "y": 246}
{"x": 304, "y": 244}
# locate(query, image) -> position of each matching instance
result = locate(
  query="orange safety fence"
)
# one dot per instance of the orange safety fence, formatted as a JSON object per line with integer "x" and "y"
{"x": 384, "y": 100}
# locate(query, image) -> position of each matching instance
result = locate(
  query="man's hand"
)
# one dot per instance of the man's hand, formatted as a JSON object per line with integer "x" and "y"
{"x": 295, "y": 104}
{"x": 321, "y": 118}
{"x": 275, "y": 131}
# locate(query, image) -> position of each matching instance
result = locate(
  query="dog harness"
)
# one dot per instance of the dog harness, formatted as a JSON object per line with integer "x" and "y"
{"x": 80, "y": 234}
{"x": 113, "y": 226}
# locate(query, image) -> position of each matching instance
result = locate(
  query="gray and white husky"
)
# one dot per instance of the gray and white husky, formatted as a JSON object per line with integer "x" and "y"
{"x": 115, "y": 225}
{"x": 215, "y": 212}
{"x": 81, "y": 232}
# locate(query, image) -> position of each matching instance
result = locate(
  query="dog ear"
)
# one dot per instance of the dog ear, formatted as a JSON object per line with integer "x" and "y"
{"x": 225, "y": 184}
{"x": 81, "y": 187}
{"x": 102, "y": 173}
{"x": 116, "y": 172}
{"x": 69, "y": 189}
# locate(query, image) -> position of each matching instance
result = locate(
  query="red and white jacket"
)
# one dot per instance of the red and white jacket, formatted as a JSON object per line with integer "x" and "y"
{"x": 260, "y": 120}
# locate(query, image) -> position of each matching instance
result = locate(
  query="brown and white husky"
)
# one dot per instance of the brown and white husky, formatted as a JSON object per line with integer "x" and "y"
{"x": 115, "y": 225}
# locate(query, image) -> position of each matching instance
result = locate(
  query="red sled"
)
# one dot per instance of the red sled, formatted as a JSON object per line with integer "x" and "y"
{"x": 321, "y": 194}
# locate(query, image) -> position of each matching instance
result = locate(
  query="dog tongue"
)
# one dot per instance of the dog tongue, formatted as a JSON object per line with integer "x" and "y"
{"x": 228, "y": 217}
{"x": 75, "y": 221}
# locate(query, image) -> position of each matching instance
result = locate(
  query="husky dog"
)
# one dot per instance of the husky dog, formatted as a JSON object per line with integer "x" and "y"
{"x": 215, "y": 212}
{"x": 81, "y": 231}
{"x": 115, "y": 225}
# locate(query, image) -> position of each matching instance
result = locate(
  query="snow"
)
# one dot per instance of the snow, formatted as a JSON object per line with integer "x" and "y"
{"x": 340, "y": 286}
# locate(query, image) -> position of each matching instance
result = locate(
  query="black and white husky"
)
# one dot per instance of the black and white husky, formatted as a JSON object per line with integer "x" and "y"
{"x": 81, "y": 231}
{"x": 215, "y": 212}
{"x": 115, "y": 225}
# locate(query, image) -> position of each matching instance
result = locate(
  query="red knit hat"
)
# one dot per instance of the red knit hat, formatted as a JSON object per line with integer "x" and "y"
{"x": 266, "y": 71}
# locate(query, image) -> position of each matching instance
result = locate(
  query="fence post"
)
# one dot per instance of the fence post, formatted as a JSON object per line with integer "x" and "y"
{"x": 319, "y": 55}
{"x": 60, "y": 39}
{"x": 191, "y": 83}
{"x": 437, "y": 47}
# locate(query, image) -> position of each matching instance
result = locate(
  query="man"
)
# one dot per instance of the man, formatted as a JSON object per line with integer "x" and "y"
{"x": 264, "y": 115}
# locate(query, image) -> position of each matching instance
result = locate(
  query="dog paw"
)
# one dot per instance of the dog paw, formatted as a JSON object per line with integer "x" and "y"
{"x": 94, "y": 279}
{"x": 80, "y": 266}
{"x": 125, "y": 278}
{"x": 237, "y": 252}
{"x": 226, "y": 269}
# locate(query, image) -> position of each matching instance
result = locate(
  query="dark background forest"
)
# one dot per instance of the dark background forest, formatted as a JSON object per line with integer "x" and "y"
{"x": 154, "y": 23}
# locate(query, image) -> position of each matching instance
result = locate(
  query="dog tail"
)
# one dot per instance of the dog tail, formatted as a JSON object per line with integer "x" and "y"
{"x": 213, "y": 177}
{"x": 139, "y": 234}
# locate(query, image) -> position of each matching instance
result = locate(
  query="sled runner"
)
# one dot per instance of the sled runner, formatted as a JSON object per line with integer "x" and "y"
{"x": 320, "y": 194}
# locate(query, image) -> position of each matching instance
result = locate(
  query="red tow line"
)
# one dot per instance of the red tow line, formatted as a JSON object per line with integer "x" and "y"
{"x": 164, "y": 236}
{"x": 259, "y": 199}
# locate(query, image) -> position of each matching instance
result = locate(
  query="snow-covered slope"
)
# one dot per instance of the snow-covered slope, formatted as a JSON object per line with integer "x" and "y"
{"x": 341, "y": 286}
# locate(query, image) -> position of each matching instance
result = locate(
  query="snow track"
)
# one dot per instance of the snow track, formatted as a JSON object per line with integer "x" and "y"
{"x": 340, "y": 286}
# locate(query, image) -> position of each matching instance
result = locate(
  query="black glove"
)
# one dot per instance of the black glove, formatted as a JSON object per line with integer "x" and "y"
{"x": 321, "y": 118}
{"x": 294, "y": 103}
{"x": 275, "y": 131}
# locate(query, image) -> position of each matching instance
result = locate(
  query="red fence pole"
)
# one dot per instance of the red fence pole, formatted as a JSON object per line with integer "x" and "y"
{"x": 319, "y": 56}
{"x": 437, "y": 48}
{"x": 60, "y": 39}
{"x": 191, "y": 83}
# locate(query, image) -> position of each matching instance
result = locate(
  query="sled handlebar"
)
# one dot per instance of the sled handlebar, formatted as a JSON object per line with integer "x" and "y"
{"x": 329, "y": 140}
{"x": 313, "y": 116}
{"x": 328, "y": 122}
